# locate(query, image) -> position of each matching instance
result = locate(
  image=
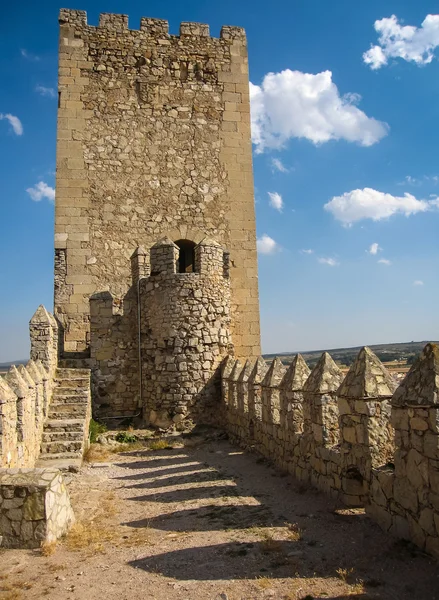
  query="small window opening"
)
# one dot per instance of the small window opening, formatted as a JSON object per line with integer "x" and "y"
{"x": 186, "y": 258}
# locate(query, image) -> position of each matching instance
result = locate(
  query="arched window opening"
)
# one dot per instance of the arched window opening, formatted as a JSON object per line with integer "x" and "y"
{"x": 186, "y": 258}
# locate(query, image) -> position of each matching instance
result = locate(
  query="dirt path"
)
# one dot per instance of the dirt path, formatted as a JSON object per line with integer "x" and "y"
{"x": 212, "y": 522}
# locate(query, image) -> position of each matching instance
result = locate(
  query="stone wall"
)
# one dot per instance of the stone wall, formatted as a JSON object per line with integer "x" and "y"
{"x": 357, "y": 438}
{"x": 185, "y": 334}
{"x": 153, "y": 140}
{"x": 25, "y": 394}
{"x": 34, "y": 507}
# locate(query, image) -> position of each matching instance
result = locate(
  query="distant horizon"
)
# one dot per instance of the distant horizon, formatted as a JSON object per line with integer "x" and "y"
{"x": 288, "y": 352}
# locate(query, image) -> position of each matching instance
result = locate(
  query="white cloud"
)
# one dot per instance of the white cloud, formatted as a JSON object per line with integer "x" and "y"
{"x": 14, "y": 122}
{"x": 374, "y": 248}
{"x": 276, "y": 201}
{"x": 28, "y": 55}
{"x": 41, "y": 190}
{"x": 331, "y": 262}
{"x": 291, "y": 104}
{"x": 409, "y": 180}
{"x": 307, "y": 251}
{"x": 371, "y": 204}
{"x": 45, "y": 91}
{"x": 277, "y": 165}
{"x": 413, "y": 44}
{"x": 418, "y": 282}
{"x": 385, "y": 261}
{"x": 266, "y": 245}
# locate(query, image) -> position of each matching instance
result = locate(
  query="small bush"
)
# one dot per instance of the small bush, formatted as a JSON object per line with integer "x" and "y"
{"x": 95, "y": 430}
{"x": 124, "y": 437}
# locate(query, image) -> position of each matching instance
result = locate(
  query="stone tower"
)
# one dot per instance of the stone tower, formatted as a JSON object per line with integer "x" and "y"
{"x": 153, "y": 142}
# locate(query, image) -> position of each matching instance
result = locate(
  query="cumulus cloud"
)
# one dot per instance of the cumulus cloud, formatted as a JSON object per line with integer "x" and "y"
{"x": 385, "y": 261}
{"x": 45, "y": 91}
{"x": 371, "y": 204}
{"x": 307, "y": 251}
{"x": 266, "y": 245}
{"x": 418, "y": 282}
{"x": 374, "y": 248}
{"x": 14, "y": 122}
{"x": 331, "y": 262}
{"x": 292, "y": 104}
{"x": 41, "y": 190}
{"x": 276, "y": 201}
{"x": 412, "y": 44}
{"x": 277, "y": 165}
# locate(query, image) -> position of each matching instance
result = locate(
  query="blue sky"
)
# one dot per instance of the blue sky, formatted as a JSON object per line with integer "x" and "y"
{"x": 345, "y": 164}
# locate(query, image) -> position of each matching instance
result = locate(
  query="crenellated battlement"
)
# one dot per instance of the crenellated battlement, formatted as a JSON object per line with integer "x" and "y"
{"x": 118, "y": 23}
{"x": 360, "y": 438}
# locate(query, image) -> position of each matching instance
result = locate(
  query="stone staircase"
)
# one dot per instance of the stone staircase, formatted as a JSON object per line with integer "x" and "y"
{"x": 65, "y": 433}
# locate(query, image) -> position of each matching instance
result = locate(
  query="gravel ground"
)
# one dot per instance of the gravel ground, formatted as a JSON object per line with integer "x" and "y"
{"x": 213, "y": 522}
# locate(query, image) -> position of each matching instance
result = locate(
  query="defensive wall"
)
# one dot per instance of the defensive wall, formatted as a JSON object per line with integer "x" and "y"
{"x": 360, "y": 439}
{"x": 34, "y": 503}
{"x": 25, "y": 395}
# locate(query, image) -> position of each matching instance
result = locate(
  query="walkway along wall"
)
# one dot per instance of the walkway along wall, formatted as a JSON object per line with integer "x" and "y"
{"x": 361, "y": 439}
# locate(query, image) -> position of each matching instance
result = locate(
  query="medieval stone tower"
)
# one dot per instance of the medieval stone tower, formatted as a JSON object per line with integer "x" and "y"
{"x": 153, "y": 155}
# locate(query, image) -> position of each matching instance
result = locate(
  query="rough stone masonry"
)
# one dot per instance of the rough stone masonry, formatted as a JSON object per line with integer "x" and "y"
{"x": 153, "y": 141}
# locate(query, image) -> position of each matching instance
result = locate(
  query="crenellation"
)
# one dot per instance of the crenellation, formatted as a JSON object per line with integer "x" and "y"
{"x": 353, "y": 458}
{"x": 68, "y": 16}
{"x": 113, "y": 22}
{"x": 154, "y": 27}
{"x": 194, "y": 29}
{"x": 233, "y": 33}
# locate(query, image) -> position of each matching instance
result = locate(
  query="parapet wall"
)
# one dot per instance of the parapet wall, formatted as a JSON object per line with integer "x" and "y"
{"x": 25, "y": 394}
{"x": 357, "y": 438}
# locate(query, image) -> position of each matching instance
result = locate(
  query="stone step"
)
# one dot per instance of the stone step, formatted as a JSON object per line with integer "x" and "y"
{"x": 63, "y": 436}
{"x": 74, "y": 363}
{"x": 70, "y": 396}
{"x": 62, "y": 447}
{"x": 78, "y": 382}
{"x": 58, "y": 415}
{"x": 59, "y": 425}
{"x": 72, "y": 373}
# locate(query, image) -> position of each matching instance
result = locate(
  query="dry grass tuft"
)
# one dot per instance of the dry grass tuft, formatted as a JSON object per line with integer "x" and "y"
{"x": 97, "y": 453}
{"x": 357, "y": 588}
{"x": 295, "y": 534}
{"x": 269, "y": 544}
{"x": 89, "y": 536}
{"x": 159, "y": 445}
{"x": 48, "y": 548}
{"x": 100, "y": 453}
{"x": 344, "y": 573}
{"x": 264, "y": 582}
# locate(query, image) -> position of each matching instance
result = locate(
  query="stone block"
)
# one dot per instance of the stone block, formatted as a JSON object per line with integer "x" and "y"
{"x": 35, "y": 507}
